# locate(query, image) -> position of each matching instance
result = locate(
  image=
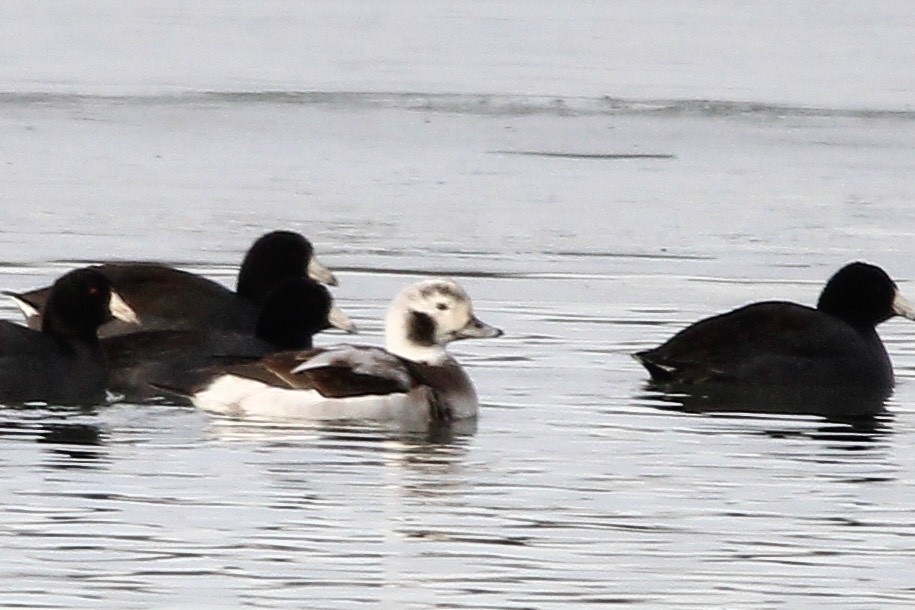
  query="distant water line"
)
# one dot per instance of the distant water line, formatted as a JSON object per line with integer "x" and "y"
{"x": 460, "y": 103}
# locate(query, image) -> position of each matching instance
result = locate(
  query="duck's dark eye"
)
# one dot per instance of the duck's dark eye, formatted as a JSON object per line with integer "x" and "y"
{"x": 441, "y": 306}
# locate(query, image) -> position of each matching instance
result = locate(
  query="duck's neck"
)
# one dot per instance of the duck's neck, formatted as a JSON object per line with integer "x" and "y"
{"x": 434, "y": 355}
{"x": 412, "y": 336}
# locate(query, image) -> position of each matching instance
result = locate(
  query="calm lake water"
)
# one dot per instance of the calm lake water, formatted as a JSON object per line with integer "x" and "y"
{"x": 487, "y": 141}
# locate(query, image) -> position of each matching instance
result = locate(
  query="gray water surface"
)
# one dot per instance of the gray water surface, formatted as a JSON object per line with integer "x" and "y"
{"x": 587, "y": 224}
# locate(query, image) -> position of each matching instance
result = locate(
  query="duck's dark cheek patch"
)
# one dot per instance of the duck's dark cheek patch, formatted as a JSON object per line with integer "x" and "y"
{"x": 421, "y": 329}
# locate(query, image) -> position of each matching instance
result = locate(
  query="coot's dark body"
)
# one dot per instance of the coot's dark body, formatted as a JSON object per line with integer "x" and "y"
{"x": 777, "y": 343}
{"x": 295, "y": 310}
{"x": 167, "y": 298}
{"x": 62, "y": 363}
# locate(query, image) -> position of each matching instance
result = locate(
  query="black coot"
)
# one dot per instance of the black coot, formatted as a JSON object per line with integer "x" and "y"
{"x": 167, "y": 298}
{"x": 782, "y": 344}
{"x": 294, "y": 311}
{"x": 62, "y": 363}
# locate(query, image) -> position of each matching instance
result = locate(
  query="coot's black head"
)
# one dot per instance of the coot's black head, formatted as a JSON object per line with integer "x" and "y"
{"x": 863, "y": 295}
{"x": 274, "y": 257}
{"x": 296, "y": 309}
{"x": 79, "y": 302}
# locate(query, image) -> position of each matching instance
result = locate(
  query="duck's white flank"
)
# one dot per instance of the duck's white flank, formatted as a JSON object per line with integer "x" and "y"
{"x": 240, "y": 397}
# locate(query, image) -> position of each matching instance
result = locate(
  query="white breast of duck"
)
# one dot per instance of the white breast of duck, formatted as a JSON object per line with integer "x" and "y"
{"x": 413, "y": 379}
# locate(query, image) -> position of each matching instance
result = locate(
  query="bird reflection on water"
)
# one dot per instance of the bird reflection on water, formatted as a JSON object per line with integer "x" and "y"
{"x": 852, "y": 414}
{"x": 75, "y": 444}
{"x": 432, "y": 434}
{"x": 70, "y": 439}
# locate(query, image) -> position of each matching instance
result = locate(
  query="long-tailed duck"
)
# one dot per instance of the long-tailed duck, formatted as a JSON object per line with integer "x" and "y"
{"x": 413, "y": 378}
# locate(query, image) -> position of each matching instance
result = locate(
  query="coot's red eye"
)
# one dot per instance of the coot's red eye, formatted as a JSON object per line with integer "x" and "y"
{"x": 93, "y": 290}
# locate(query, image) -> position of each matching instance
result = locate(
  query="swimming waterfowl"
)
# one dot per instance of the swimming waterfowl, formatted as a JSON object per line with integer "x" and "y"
{"x": 167, "y": 298}
{"x": 62, "y": 363}
{"x": 295, "y": 310}
{"x": 778, "y": 343}
{"x": 412, "y": 379}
